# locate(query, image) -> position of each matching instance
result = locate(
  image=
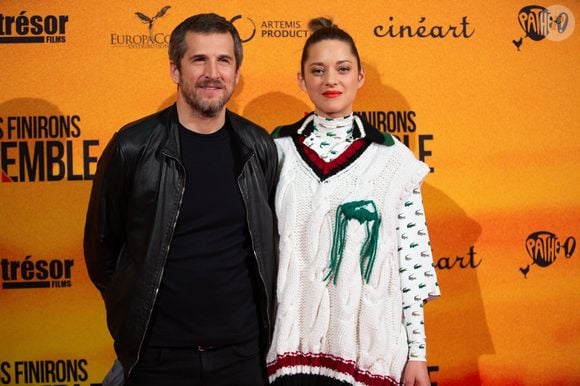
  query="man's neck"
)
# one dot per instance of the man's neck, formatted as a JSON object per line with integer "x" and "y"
{"x": 197, "y": 122}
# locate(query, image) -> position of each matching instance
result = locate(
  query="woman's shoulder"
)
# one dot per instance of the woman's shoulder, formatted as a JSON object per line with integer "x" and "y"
{"x": 291, "y": 129}
{"x": 397, "y": 149}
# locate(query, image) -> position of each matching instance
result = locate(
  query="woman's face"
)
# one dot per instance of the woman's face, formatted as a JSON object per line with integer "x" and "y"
{"x": 331, "y": 78}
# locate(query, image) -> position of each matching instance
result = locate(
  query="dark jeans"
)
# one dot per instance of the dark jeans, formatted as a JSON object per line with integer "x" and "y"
{"x": 235, "y": 365}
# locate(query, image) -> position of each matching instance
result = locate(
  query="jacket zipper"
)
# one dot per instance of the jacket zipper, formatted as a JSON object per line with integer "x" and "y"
{"x": 254, "y": 252}
{"x": 164, "y": 261}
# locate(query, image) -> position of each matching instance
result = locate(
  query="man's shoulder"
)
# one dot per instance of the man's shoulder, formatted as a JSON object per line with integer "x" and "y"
{"x": 247, "y": 128}
{"x": 143, "y": 127}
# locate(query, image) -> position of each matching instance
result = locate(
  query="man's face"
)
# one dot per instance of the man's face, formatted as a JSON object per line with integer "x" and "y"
{"x": 208, "y": 74}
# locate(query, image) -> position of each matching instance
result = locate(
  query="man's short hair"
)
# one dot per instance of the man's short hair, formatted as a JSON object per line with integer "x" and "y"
{"x": 202, "y": 23}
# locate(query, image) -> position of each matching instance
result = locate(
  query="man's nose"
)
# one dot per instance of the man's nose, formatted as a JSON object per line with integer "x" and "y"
{"x": 211, "y": 69}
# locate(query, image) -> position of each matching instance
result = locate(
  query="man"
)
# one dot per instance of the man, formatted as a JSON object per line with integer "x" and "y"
{"x": 179, "y": 229}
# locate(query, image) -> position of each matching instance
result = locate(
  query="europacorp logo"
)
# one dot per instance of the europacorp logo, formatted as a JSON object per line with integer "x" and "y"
{"x": 152, "y": 39}
{"x": 554, "y": 23}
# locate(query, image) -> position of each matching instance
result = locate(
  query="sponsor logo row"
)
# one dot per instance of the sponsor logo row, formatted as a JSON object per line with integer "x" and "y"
{"x": 543, "y": 247}
{"x": 554, "y": 23}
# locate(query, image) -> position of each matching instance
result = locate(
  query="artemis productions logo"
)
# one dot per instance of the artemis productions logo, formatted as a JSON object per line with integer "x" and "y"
{"x": 22, "y": 28}
{"x": 152, "y": 39}
{"x": 544, "y": 247}
{"x": 555, "y": 23}
{"x": 27, "y": 273}
{"x": 268, "y": 29}
{"x": 245, "y": 26}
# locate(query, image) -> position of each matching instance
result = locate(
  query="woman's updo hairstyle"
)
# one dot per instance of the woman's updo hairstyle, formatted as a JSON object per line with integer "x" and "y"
{"x": 322, "y": 28}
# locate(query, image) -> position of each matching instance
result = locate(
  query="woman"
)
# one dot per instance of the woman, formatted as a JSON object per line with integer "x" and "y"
{"x": 355, "y": 260}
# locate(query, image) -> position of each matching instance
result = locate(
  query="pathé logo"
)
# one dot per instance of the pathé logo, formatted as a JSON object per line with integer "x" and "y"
{"x": 544, "y": 247}
{"x": 554, "y": 23}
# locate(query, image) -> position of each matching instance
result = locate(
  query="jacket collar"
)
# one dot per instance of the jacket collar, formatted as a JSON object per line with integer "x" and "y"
{"x": 172, "y": 145}
{"x": 371, "y": 133}
{"x": 238, "y": 125}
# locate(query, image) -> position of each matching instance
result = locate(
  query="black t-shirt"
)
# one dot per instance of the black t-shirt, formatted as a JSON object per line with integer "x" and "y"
{"x": 207, "y": 294}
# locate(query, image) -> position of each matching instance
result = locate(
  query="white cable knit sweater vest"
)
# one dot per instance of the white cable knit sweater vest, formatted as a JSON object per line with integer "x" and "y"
{"x": 350, "y": 331}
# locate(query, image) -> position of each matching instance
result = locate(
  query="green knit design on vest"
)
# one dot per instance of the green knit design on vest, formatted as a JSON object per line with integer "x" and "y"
{"x": 365, "y": 212}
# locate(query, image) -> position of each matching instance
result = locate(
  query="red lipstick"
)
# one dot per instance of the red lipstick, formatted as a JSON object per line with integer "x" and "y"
{"x": 332, "y": 94}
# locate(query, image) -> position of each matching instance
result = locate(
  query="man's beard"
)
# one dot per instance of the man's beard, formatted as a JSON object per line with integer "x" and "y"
{"x": 206, "y": 107}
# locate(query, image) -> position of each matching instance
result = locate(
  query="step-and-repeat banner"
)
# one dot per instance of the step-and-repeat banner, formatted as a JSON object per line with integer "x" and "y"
{"x": 487, "y": 94}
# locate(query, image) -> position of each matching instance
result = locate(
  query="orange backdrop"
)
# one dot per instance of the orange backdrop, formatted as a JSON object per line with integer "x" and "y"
{"x": 486, "y": 93}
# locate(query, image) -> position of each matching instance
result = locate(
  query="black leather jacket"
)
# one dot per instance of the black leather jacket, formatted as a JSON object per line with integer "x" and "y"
{"x": 133, "y": 209}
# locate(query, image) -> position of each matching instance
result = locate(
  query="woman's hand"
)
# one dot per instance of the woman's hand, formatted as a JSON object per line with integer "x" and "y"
{"x": 416, "y": 374}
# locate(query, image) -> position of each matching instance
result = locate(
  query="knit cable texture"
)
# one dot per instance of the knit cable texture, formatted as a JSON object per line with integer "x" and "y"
{"x": 353, "y": 318}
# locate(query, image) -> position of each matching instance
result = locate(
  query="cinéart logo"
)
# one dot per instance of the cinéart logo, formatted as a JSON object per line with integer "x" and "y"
{"x": 151, "y": 39}
{"x": 545, "y": 247}
{"x": 23, "y": 28}
{"x": 424, "y": 29}
{"x": 555, "y": 23}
